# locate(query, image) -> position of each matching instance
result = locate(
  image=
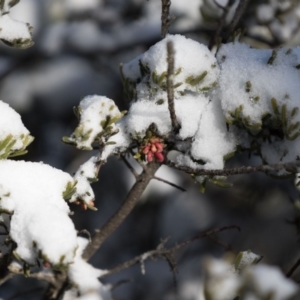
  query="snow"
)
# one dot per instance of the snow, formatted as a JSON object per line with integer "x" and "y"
{"x": 223, "y": 281}
{"x": 143, "y": 113}
{"x": 189, "y": 109}
{"x": 265, "y": 13}
{"x": 266, "y": 280}
{"x": 220, "y": 104}
{"x": 14, "y": 136}
{"x": 33, "y": 193}
{"x": 199, "y": 114}
{"x": 86, "y": 173}
{"x": 208, "y": 147}
{"x": 245, "y": 259}
{"x": 246, "y": 96}
{"x": 97, "y": 117}
{"x": 81, "y": 6}
{"x": 259, "y": 94}
{"x": 13, "y": 32}
{"x": 84, "y": 276}
{"x": 192, "y": 60}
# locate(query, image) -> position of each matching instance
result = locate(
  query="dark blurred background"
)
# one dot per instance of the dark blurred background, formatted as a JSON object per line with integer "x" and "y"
{"x": 78, "y": 48}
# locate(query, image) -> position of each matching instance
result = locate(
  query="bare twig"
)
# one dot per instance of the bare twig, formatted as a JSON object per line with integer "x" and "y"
{"x": 86, "y": 233}
{"x": 293, "y": 269}
{"x": 222, "y": 22}
{"x": 290, "y": 167}
{"x": 170, "y": 86}
{"x": 166, "y": 20}
{"x": 236, "y": 18}
{"x": 117, "y": 219}
{"x": 7, "y": 277}
{"x": 170, "y": 183}
{"x": 162, "y": 252}
{"x": 13, "y": 271}
{"x": 58, "y": 287}
{"x": 217, "y": 241}
{"x": 129, "y": 166}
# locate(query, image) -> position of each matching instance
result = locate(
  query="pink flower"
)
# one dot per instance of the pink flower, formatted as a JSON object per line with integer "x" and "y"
{"x": 149, "y": 156}
{"x": 152, "y": 148}
{"x": 159, "y": 156}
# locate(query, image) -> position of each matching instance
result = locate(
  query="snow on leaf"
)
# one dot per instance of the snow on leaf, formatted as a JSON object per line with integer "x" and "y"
{"x": 98, "y": 115}
{"x": 40, "y": 225}
{"x": 12, "y": 32}
{"x": 14, "y": 137}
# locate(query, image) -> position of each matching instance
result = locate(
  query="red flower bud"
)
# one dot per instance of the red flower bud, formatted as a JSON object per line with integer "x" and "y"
{"x": 159, "y": 156}
{"x": 149, "y": 156}
{"x": 155, "y": 140}
{"x": 46, "y": 264}
{"x": 153, "y": 148}
{"x": 83, "y": 206}
{"x": 146, "y": 149}
{"x": 159, "y": 147}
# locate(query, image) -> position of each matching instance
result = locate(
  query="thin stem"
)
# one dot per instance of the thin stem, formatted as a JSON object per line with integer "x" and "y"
{"x": 293, "y": 269}
{"x": 170, "y": 86}
{"x": 48, "y": 277}
{"x": 129, "y": 166}
{"x": 166, "y": 20}
{"x": 290, "y": 167}
{"x": 236, "y": 18}
{"x": 170, "y": 183}
{"x": 222, "y": 22}
{"x": 117, "y": 219}
{"x": 163, "y": 252}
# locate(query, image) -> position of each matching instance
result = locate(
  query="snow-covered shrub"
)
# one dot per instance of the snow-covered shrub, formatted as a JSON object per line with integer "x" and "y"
{"x": 242, "y": 99}
{"x": 34, "y": 210}
{"x": 246, "y": 99}
{"x": 197, "y": 108}
{"x": 14, "y": 137}
{"x": 259, "y": 93}
{"x": 227, "y": 280}
{"x": 13, "y": 33}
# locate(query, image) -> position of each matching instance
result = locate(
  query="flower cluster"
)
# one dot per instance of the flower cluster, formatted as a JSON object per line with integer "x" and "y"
{"x": 153, "y": 149}
{"x": 85, "y": 206}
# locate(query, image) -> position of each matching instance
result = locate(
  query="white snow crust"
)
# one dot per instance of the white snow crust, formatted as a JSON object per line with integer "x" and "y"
{"x": 33, "y": 194}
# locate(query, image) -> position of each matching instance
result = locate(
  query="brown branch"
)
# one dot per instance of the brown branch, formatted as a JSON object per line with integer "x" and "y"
{"x": 170, "y": 183}
{"x": 58, "y": 287}
{"x": 226, "y": 247}
{"x": 48, "y": 277}
{"x": 166, "y": 20}
{"x": 162, "y": 252}
{"x": 117, "y": 219}
{"x": 293, "y": 269}
{"x": 170, "y": 86}
{"x": 222, "y": 22}
{"x": 236, "y": 18}
{"x": 129, "y": 166}
{"x": 290, "y": 167}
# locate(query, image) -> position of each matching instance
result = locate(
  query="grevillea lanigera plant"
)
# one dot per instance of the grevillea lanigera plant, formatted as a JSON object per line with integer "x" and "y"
{"x": 242, "y": 99}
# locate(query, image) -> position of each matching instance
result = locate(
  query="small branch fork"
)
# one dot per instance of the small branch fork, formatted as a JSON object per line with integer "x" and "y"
{"x": 13, "y": 271}
{"x": 290, "y": 167}
{"x": 117, "y": 219}
{"x": 240, "y": 10}
{"x": 136, "y": 174}
{"x": 165, "y": 253}
{"x": 216, "y": 38}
